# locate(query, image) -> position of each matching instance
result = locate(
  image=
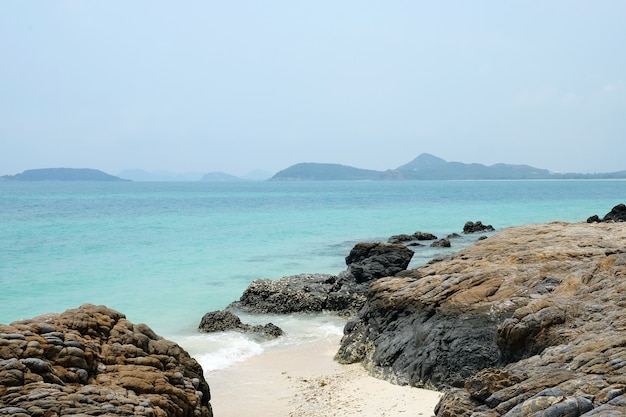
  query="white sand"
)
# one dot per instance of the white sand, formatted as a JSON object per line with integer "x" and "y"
{"x": 302, "y": 381}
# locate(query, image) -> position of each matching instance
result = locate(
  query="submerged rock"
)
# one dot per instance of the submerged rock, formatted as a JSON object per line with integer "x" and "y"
{"x": 530, "y": 322}
{"x": 92, "y": 361}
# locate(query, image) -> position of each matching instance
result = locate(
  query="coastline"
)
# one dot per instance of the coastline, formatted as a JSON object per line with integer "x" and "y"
{"x": 304, "y": 381}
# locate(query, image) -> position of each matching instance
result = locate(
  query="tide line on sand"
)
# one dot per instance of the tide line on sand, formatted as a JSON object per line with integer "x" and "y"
{"x": 305, "y": 381}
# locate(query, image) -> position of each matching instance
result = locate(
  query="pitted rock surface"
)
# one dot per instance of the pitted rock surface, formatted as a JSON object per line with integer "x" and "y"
{"x": 343, "y": 294}
{"x": 529, "y": 322}
{"x": 92, "y": 361}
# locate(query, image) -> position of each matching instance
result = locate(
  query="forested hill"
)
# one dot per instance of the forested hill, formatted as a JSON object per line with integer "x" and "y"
{"x": 323, "y": 172}
{"x": 430, "y": 167}
{"x": 62, "y": 174}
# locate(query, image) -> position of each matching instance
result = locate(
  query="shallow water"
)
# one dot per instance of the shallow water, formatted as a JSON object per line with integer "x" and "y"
{"x": 166, "y": 253}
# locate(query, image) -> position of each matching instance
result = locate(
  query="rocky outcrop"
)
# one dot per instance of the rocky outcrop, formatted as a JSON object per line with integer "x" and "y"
{"x": 343, "y": 294}
{"x": 92, "y": 361}
{"x": 617, "y": 214}
{"x": 530, "y": 322}
{"x": 221, "y": 321}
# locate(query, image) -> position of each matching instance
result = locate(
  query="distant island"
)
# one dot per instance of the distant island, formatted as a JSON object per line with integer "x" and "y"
{"x": 429, "y": 167}
{"x": 61, "y": 174}
{"x": 424, "y": 167}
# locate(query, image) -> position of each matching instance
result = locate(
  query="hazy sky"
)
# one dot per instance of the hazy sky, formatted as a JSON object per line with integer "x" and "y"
{"x": 233, "y": 86}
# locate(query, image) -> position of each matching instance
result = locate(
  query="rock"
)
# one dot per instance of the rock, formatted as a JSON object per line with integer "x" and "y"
{"x": 617, "y": 214}
{"x": 220, "y": 321}
{"x": 402, "y": 238}
{"x": 370, "y": 261}
{"x": 343, "y": 294}
{"x": 300, "y": 293}
{"x": 92, "y": 361}
{"x": 441, "y": 243}
{"x": 530, "y": 322}
{"x": 478, "y": 227}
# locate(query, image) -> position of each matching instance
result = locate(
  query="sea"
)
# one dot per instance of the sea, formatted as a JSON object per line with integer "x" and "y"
{"x": 166, "y": 253}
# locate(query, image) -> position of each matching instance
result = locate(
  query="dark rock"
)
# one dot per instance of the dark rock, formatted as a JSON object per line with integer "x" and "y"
{"x": 108, "y": 366}
{"x": 224, "y": 320}
{"x": 402, "y": 238}
{"x": 617, "y": 214}
{"x": 370, "y": 261}
{"x": 306, "y": 293}
{"x": 219, "y": 321}
{"x": 478, "y": 227}
{"x": 441, "y": 243}
{"x": 343, "y": 294}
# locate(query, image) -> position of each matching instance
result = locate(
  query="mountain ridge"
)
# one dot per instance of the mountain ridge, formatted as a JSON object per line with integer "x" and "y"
{"x": 430, "y": 167}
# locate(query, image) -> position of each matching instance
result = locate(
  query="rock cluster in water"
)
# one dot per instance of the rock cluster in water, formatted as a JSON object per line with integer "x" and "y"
{"x": 343, "y": 294}
{"x": 528, "y": 322}
{"x": 92, "y": 361}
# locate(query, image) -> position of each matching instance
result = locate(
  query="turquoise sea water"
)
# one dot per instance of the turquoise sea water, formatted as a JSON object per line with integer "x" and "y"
{"x": 166, "y": 253}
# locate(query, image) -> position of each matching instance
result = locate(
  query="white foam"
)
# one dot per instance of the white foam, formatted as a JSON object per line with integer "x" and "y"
{"x": 220, "y": 350}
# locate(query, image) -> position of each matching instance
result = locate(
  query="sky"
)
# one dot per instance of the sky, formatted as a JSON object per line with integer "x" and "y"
{"x": 236, "y": 86}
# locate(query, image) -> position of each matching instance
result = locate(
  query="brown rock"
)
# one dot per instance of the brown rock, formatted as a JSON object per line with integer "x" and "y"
{"x": 531, "y": 321}
{"x": 92, "y": 361}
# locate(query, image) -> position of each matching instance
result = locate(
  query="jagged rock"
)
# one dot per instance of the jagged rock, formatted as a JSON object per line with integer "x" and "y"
{"x": 531, "y": 321}
{"x": 617, "y": 214}
{"x": 478, "y": 227}
{"x": 220, "y": 321}
{"x": 92, "y": 361}
{"x": 343, "y": 294}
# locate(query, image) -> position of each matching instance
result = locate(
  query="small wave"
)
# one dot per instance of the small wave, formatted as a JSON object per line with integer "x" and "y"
{"x": 217, "y": 351}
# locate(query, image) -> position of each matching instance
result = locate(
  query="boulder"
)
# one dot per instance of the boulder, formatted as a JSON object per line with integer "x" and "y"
{"x": 370, "y": 261}
{"x": 220, "y": 321}
{"x": 530, "y": 322}
{"x": 441, "y": 243}
{"x": 92, "y": 361}
{"x": 478, "y": 227}
{"x": 343, "y": 294}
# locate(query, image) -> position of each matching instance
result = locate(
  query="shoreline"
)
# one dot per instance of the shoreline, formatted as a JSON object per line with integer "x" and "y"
{"x": 304, "y": 381}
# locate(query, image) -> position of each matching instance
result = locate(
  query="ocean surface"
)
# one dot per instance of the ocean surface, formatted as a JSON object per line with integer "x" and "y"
{"x": 166, "y": 253}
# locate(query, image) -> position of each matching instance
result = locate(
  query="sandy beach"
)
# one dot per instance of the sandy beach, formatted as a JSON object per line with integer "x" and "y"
{"x": 304, "y": 380}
